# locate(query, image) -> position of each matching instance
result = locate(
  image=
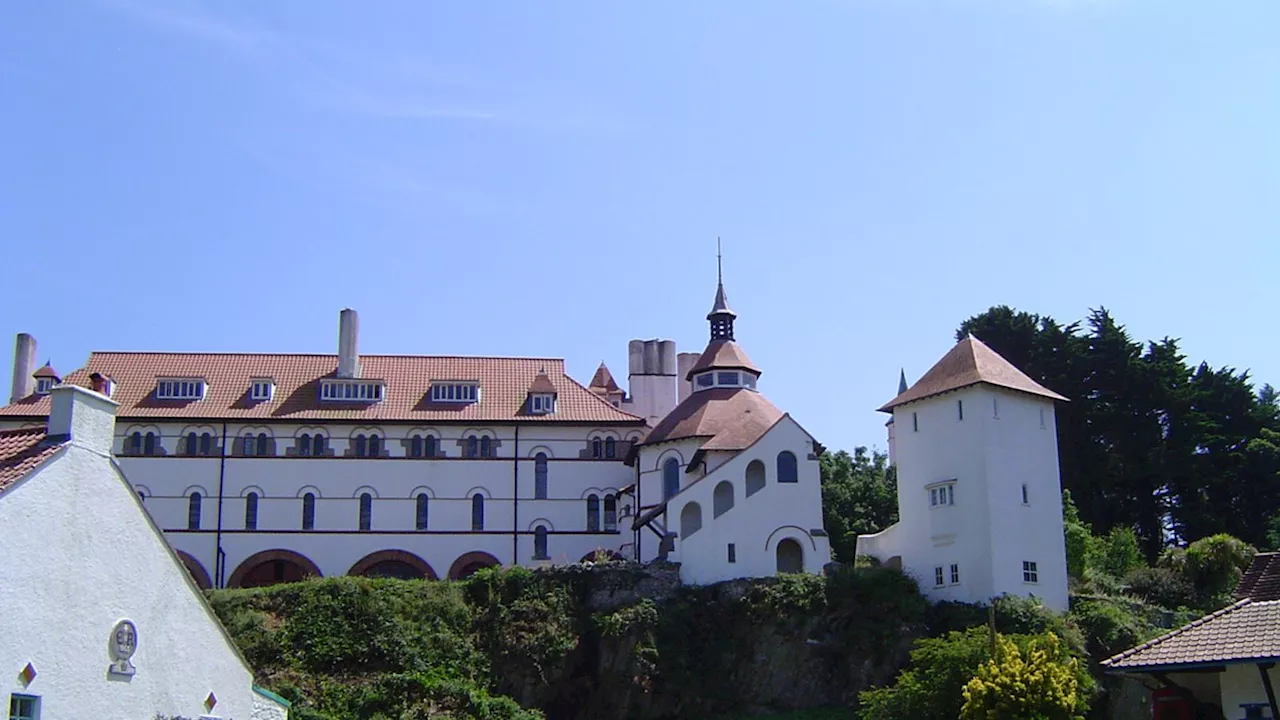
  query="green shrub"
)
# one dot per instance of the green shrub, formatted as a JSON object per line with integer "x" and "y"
{"x": 1110, "y": 627}
{"x": 1162, "y": 586}
{"x": 1118, "y": 552}
{"x": 1214, "y": 566}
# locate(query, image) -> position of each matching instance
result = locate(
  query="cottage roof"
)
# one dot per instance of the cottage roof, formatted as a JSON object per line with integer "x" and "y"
{"x": 969, "y": 362}
{"x": 730, "y": 419}
{"x": 22, "y": 450}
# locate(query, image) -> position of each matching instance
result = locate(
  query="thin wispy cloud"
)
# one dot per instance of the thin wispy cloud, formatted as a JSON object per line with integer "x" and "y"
{"x": 191, "y": 20}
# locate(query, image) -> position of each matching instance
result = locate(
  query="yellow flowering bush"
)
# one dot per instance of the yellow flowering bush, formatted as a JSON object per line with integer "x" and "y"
{"x": 1040, "y": 686}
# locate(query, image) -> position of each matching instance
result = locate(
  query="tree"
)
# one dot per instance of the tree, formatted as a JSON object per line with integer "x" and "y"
{"x": 1040, "y": 683}
{"x": 859, "y": 497}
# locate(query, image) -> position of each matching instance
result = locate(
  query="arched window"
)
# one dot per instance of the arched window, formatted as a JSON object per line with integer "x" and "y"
{"x": 473, "y": 446}
{"x": 375, "y": 446}
{"x": 251, "y": 511}
{"x": 304, "y": 444}
{"x": 486, "y": 446}
{"x": 597, "y": 448}
{"x": 264, "y": 446}
{"x": 540, "y": 476}
{"x": 610, "y": 513}
{"x": 593, "y": 513}
{"x": 206, "y": 444}
{"x": 424, "y": 505}
{"x": 309, "y": 511}
{"x": 690, "y": 520}
{"x": 790, "y": 557}
{"x": 415, "y": 446}
{"x": 193, "y": 444}
{"x": 361, "y": 446}
{"x": 540, "y": 543}
{"x": 318, "y": 444}
{"x": 247, "y": 445}
{"x": 477, "y": 512}
{"x": 366, "y": 511}
{"x": 429, "y": 446}
{"x": 135, "y": 444}
{"x": 787, "y": 472}
{"x": 670, "y": 478}
{"x": 149, "y": 444}
{"x": 610, "y": 448}
{"x": 755, "y": 477}
{"x": 722, "y": 499}
{"x": 193, "y": 511}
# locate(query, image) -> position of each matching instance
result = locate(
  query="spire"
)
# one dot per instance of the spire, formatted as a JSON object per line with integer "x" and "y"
{"x": 721, "y": 316}
{"x": 902, "y": 381}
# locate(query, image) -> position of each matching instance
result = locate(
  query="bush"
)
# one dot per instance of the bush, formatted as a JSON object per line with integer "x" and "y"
{"x": 1118, "y": 552}
{"x": 1162, "y": 586}
{"x": 1110, "y": 627}
{"x": 1214, "y": 566}
{"x": 1040, "y": 681}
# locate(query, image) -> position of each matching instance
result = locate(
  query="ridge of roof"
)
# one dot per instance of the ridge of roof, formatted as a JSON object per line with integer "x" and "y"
{"x": 232, "y": 353}
{"x": 970, "y": 362}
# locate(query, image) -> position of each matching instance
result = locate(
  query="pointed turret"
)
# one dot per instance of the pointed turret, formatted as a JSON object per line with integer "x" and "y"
{"x": 721, "y": 316}
{"x": 722, "y": 352}
{"x": 902, "y": 381}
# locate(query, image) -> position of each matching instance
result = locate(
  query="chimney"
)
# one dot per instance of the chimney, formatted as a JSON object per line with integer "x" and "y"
{"x": 652, "y": 378}
{"x": 85, "y": 417}
{"x": 24, "y": 363}
{"x": 684, "y": 363}
{"x": 348, "y": 355}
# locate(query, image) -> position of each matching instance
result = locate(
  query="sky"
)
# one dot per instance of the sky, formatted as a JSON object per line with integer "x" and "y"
{"x": 549, "y": 179}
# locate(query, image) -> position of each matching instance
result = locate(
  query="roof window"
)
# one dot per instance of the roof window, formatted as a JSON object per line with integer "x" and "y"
{"x": 261, "y": 388}
{"x": 724, "y": 378}
{"x": 455, "y": 392}
{"x": 542, "y": 403}
{"x": 351, "y": 390}
{"x": 180, "y": 389}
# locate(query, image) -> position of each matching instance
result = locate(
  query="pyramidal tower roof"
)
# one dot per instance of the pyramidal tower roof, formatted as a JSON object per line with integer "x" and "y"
{"x": 603, "y": 380}
{"x": 969, "y": 362}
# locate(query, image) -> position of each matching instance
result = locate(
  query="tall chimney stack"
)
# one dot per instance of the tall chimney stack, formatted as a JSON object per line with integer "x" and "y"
{"x": 348, "y": 355}
{"x": 24, "y": 364}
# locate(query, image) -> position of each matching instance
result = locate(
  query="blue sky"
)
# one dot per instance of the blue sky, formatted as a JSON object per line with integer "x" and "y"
{"x": 549, "y": 179}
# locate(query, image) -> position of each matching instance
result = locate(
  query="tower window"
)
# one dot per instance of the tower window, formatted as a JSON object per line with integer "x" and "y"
{"x": 251, "y": 511}
{"x": 597, "y": 448}
{"x": 593, "y": 513}
{"x": 1041, "y": 418}
{"x": 1030, "y": 573}
{"x": 540, "y": 543}
{"x": 937, "y": 577}
{"x": 193, "y": 511}
{"x": 24, "y": 707}
{"x": 540, "y": 476}
{"x": 366, "y": 511}
{"x": 477, "y": 512}
{"x": 1026, "y": 497}
{"x": 915, "y": 422}
{"x": 733, "y": 553}
{"x": 944, "y": 494}
{"x": 670, "y": 478}
{"x": 960, "y": 408}
{"x": 610, "y": 448}
{"x": 424, "y": 504}
{"x": 955, "y": 574}
{"x": 610, "y": 513}
{"x": 44, "y": 385}
{"x": 309, "y": 511}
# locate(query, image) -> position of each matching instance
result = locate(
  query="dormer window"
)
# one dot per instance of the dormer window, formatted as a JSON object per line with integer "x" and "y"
{"x": 351, "y": 390}
{"x": 44, "y": 385}
{"x": 180, "y": 389}
{"x": 542, "y": 403}
{"x": 455, "y": 392}
{"x": 46, "y": 379}
{"x": 724, "y": 378}
{"x": 261, "y": 389}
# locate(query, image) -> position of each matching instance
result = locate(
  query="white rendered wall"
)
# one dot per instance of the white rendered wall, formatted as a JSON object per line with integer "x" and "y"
{"x": 756, "y": 524}
{"x": 80, "y": 556}
{"x": 997, "y": 446}
{"x": 649, "y": 463}
{"x": 1243, "y": 684}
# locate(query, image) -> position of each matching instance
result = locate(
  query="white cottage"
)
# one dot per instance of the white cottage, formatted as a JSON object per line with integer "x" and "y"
{"x": 979, "y": 495}
{"x": 101, "y": 619}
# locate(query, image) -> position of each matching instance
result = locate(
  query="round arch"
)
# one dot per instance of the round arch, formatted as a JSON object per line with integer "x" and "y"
{"x": 468, "y": 563}
{"x": 668, "y": 453}
{"x": 798, "y": 533}
{"x": 393, "y": 563}
{"x": 197, "y": 572}
{"x": 272, "y": 566}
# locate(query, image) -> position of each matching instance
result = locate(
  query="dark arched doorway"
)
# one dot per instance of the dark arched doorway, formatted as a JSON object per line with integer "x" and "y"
{"x": 790, "y": 557}
{"x": 271, "y": 567}
{"x": 195, "y": 570}
{"x": 468, "y": 564}
{"x": 397, "y": 564}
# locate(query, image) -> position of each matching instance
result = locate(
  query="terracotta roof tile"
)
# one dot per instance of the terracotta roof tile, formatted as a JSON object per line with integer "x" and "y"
{"x": 542, "y": 384}
{"x": 1247, "y": 630}
{"x": 504, "y": 385}
{"x": 21, "y": 451}
{"x": 725, "y": 354}
{"x": 46, "y": 371}
{"x": 603, "y": 381}
{"x": 1262, "y": 580}
{"x": 969, "y": 362}
{"x": 731, "y": 419}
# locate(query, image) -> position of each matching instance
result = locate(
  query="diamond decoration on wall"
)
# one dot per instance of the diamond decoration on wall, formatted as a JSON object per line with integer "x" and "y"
{"x": 28, "y": 674}
{"x": 210, "y": 701}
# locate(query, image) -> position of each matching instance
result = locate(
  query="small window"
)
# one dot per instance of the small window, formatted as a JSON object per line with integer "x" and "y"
{"x": 309, "y": 511}
{"x": 610, "y": 513}
{"x": 486, "y": 446}
{"x": 477, "y": 512}
{"x": 542, "y": 403}
{"x": 955, "y": 574}
{"x": 597, "y": 448}
{"x": 473, "y": 446}
{"x": 670, "y": 478}
{"x": 304, "y": 445}
{"x": 430, "y": 446}
{"x": 135, "y": 444}
{"x": 375, "y": 446}
{"x": 251, "y": 511}
{"x": 942, "y": 495}
{"x": 366, "y": 511}
{"x": 455, "y": 392}
{"x": 424, "y": 505}
{"x": 193, "y": 511}
{"x": 318, "y": 444}
{"x": 960, "y": 408}
{"x": 937, "y": 577}
{"x": 1026, "y": 498}
{"x": 540, "y": 543}
{"x": 149, "y": 443}
{"x": 733, "y": 553}
{"x": 24, "y": 707}
{"x": 1041, "y": 418}
{"x": 44, "y": 385}
{"x": 593, "y": 513}
{"x": 1030, "y": 573}
{"x": 915, "y": 422}
{"x": 726, "y": 378}
{"x": 360, "y": 446}
{"x": 415, "y": 446}
{"x": 787, "y": 470}
{"x": 540, "y": 476}
{"x": 995, "y": 407}
{"x": 610, "y": 448}
{"x": 264, "y": 445}
{"x": 187, "y": 389}
{"x": 193, "y": 444}
{"x": 706, "y": 380}
{"x": 261, "y": 389}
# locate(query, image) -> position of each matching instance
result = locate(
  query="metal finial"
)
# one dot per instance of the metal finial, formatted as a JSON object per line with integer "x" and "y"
{"x": 719, "y": 267}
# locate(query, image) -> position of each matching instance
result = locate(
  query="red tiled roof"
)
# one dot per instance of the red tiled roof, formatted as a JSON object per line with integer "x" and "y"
{"x": 1262, "y": 580}
{"x": 21, "y": 451}
{"x": 732, "y": 418}
{"x": 504, "y": 385}
{"x": 46, "y": 371}
{"x": 969, "y": 362}
{"x": 725, "y": 354}
{"x": 1246, "y": 631}
{"x": 542, "y": 384}
{"x": 603, "y": 381}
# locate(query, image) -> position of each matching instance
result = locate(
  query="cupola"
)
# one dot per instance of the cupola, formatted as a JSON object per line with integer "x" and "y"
{"x": 542, "y": 394}
{"x": 46, "y": 378}
{"x": 724, "y": 364}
